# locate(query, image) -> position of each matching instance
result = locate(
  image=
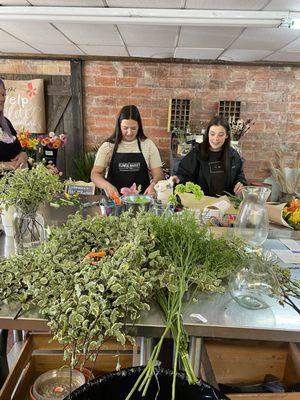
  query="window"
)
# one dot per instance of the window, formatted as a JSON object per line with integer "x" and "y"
{"x": 179, "y": 114}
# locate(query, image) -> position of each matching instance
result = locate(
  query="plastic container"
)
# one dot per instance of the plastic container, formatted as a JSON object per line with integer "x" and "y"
{"x": 55, "y": 384}
{"x": 116, "y": 386}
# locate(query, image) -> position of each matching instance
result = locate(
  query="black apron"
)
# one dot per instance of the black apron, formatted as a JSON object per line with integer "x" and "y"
{"x": 128, "y": 168}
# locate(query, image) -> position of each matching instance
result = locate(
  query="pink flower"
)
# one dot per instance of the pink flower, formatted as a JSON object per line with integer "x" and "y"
{"x": 129, "y": 191}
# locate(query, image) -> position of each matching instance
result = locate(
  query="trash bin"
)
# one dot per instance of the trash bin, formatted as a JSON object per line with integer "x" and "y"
{"x": 116, "y": 386}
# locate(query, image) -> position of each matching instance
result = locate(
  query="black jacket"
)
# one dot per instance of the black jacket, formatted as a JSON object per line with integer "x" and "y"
{"x": 194, "y": 169}
{"x": 8, "y": 151}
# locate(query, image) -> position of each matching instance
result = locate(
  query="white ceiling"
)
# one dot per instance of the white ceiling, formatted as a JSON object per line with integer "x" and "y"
{"x": 27, "y": 35}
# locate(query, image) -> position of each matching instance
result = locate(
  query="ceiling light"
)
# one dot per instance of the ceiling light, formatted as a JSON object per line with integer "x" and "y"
{"x": 145, "y": 16}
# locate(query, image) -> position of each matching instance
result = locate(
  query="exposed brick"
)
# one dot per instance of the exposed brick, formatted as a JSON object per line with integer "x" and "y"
{"x": 269, "y": 95}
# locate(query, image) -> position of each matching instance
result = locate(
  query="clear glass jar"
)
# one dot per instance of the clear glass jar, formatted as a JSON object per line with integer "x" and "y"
{"x": 253, "y": 285}
{"x": 29, "y": 230}
{"x": 159, "y": 208}
{"x": 252, "y": 222}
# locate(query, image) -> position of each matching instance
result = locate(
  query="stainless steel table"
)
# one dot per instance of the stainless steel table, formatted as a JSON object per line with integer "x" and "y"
{"x": 225, "y": 318}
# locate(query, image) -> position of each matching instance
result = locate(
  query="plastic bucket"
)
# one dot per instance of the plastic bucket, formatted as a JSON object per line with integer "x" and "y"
{"x": 116, "y": 386}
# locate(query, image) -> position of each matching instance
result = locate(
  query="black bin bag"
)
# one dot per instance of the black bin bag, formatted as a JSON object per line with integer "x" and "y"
{"x": 116, "y": 386}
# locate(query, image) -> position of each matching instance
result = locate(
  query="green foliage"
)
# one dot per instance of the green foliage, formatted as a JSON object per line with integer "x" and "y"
{"x": 234, "y": 200}
{"x": 26, "y": 189}
{"x": 154, "y": 257}
{"x": 83, "y": 166}
{"x": 288, "y": 289}
{"x": 190, "y": 187}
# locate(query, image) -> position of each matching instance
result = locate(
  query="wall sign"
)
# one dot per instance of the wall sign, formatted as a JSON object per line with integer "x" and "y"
{"x": 25, "y": 105}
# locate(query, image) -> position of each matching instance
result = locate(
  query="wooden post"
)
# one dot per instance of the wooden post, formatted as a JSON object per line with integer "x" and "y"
{"x": 75, "y": 137}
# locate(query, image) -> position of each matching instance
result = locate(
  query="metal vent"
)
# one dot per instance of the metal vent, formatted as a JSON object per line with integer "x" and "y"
{"x": 230, "y": 109}
{"x": 179, "y": 114}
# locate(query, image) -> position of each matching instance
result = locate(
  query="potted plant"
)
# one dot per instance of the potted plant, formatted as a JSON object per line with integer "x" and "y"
{"x": 83, "y": 165}
{"x": 25, "y": 190}
{"x": 182, "y": 146}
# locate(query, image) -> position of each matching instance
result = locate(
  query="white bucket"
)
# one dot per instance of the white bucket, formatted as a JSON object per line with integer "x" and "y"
{"x": 7, "y": 220}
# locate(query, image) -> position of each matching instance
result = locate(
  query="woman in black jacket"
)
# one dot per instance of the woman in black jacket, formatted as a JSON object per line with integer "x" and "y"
{"x": 11, "y": 154}
{"x": 213, "y": 164}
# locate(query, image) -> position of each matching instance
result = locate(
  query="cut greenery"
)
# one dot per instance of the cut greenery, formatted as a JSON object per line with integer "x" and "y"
{"x": 138, "y": 258}
{"x": 26, "y": 189}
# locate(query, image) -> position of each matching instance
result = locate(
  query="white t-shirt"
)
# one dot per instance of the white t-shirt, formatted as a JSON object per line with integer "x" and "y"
{"x": 149, "y": 150}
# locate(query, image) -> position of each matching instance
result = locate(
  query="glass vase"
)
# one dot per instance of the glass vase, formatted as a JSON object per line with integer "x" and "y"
{"x": 235, "y": 145}
{"x": 29, "y": 230}
{"x": 253, "y": 285}
{"x": 252, "y": 222}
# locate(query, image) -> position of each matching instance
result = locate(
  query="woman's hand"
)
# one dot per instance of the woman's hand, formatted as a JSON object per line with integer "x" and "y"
{"x": 238, "y": 188}
{"x": 150, "y": 190}
{"x": 8, "y": 166}
{"x": 20, "y": 160}
{"x": 109, "y": 189}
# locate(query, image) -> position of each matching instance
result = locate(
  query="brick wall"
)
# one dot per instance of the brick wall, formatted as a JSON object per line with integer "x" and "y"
{"x": 268, "y": 94}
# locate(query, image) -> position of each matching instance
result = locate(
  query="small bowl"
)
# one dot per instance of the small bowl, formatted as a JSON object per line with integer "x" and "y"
{"x": 55, "y": 384}
{"x": 137, "y": 202}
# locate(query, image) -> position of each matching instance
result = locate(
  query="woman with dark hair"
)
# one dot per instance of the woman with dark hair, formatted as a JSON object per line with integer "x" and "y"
{"x": 11, "y": 154}
{"x": 127, "y": 156}
{"x": 213, "y": 164}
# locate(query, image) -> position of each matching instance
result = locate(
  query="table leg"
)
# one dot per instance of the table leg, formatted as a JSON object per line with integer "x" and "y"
{"x": 145, "y": 349}
{"x": 4, "y": 371}
{"x": 195, "y": 353}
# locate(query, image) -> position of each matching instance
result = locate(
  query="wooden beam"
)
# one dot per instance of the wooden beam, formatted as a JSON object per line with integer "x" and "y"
{"x": 75, "y": 138}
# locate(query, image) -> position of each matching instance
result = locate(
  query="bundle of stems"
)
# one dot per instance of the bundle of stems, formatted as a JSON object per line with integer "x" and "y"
{"x": 238, "y": 127}
{"x": 289, "y": 288}
{"x": 187, "y": 248}
{"x": 183, "y": 252}
{"x": 287, "y": 179}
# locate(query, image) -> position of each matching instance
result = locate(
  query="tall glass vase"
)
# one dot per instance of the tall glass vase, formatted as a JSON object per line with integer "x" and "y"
{"x": 252, "y": 222}
{"x": 252, "y": 286}
{"x": 29, "y": 230}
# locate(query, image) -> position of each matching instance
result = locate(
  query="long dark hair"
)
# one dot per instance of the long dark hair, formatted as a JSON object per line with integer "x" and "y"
{"x": 127, "y": 112}
{"x": 218, "y": 120}
{"x": 3, "y": 123}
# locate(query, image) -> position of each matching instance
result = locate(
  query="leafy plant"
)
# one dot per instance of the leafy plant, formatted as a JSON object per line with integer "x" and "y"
{"x": 289, "y": 289}
{"x": 143, "y": 257}
{"x": 234, "y": 200}
{"x": 190, "y": 187}
{"x": 83, "y": 166}
{"x": 26, "y": 189}
{"x": 180, "y": 135}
